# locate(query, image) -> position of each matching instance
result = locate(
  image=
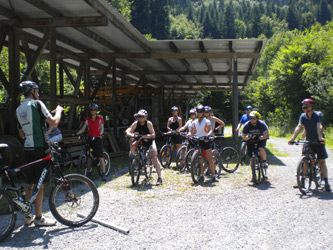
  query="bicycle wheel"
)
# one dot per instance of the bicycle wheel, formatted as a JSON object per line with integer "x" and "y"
{"x": 7, "y": 215}
{"x": 107, "y": 163}
{"x": 180, "y": 157}
{"x": 255, "y": 168}
{"x": 165, "y": 156}
{"x": 319, "y": 178}
{"x": 195, "y": 166}
{"x": 188, "y": 158}
{"x": 135, "y": 170}
{"x": 243, "y": 153}
{"x": 130, "y": 157}
{"x": 148, "y": 167}
{"x": 66, "y": 159}
{"x": 74, "y": 201}
{"x": 303, "y": 175}
{"x": 82, "y": 164}
{"x": 217, "y": 161}
{"x": 229, "y": 159}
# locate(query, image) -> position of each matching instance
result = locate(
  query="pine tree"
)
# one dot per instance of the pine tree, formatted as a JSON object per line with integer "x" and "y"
{"x": 229, "y": 31}
{"x": 160, "y": 23}
{"x": 324, "y": 14}
{"x": 292, "y": 18}
{"x": 141, "y": 16}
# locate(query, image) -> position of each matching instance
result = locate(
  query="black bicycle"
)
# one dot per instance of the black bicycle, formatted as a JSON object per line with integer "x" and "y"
{"x": 308, "y": 170}
{"x": 259, "y": 172}
{"x": 199, "y": 157}
{"x": 165, "y": 155}
{"x": 183, "y": 161}
{"x": 229, "y": 156}
{"x": 71, "y": 195}
{"x": 141, "y": 162}
{"x": 82, "y": 166}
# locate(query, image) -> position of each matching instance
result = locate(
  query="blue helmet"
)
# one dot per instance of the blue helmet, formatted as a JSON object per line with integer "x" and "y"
{"x": 93, "y": 106}
{"x": 27, "y": 86}
{"x": 208, "y": 108}
{"x": 248, "y": 107}
{"x": 200, "y": 108}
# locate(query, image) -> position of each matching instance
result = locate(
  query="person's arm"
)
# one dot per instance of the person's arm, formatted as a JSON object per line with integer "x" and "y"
{"x": 131, "y": 129}
{"x": 54, "y": 120}
{"x": 180, "y": 121}
{"x": 151, "y": 134}
{"x": 183, "y": 128}
{"x": 265, "y": 135}
{"x": 296, "y": 132}
{"x": 81, "y": 131}
{"x": 219, "y": 121}
{"x": 210, "y": 131}
{"x": 102, "y": 131}
{"x": 239, "y": 126}
{"x": 320, "y": 132}
{"x": 21, "y": 134}
{"x": 168, "y": 125}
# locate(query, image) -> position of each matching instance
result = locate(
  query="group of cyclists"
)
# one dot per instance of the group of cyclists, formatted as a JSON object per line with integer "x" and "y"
{"x": 32, "y": 114}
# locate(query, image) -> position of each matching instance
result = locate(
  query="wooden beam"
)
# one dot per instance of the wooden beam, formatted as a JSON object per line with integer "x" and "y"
{"x": 209, "y": 65}
{"x": 53, "y": 67}
{"x": 55, "y": 21}
{"x": 175, "y": 72}
{"x": 28, "y": 56}
{"x": 101, "y": 80}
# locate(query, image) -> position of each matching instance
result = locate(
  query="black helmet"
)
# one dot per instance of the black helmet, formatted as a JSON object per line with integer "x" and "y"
{"x": 27, "y": 86}
{"x": 200, "y": 108}
{"x": 93, "y": 106}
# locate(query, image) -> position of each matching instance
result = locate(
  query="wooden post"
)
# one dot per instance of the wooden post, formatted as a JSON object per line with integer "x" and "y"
{"x": 235, "y": 101}
{"x": 61, "y": 80}
{"x": 14, "y": 78}
{"x": 114, "y": 99}
{"x": 87, "y": 78}
{"x": 53, "y": 67}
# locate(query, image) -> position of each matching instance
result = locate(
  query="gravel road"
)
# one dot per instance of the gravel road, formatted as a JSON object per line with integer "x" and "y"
{"x": 231, "y": 214}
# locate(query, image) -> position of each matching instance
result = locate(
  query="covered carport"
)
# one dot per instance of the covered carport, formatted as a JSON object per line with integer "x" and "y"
{"x": 114, "y": 60}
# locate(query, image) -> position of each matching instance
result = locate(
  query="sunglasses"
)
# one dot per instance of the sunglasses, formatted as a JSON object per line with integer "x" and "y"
{"x": 141, "y": 116}
{"x": 200, "y": 111}
{"x": 94, "y": 110}
{"x": 253, "y": 118}
{"x": 305, "y": 107}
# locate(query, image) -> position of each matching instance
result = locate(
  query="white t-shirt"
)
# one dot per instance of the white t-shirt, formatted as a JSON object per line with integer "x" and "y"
{"x": 202, "y": 128}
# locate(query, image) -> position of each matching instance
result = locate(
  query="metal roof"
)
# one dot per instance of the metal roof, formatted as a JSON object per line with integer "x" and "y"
{"x": 183, "y": 67}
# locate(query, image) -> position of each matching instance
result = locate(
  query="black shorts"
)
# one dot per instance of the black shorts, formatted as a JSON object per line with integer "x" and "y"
{"x": 250, "y": 147}
{"x": 320, "y": 150}
{"x": 205, "y": 145}
{"x": 176, "y": 139}
{"x": 33, "y": 173}
{"x": 97, "y": 146}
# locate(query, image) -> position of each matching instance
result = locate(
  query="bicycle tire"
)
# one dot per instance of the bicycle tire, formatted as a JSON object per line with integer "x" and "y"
{"x": 217, "y": 161}
{"x": 135, "y": 170}
{"x": 195, "y": 166}
{"x": 180, "y": 156}
{"x": 7, "y": 215}
{"x": 70, "y": 197}
{"x": 243, "y": 153}
{"x": 255, "y": 168}
{"x": 107, "y": 162}
{"x": 130, "y": 157}
{"x": 229, "y": 159}
{"x": 319, "y": 178}
{"x": 148, "y": 167}
{"x": 82, "y": 164}
{"x": 188, "y": 158}
{"x": 303, "y": 176}
{"x": 164, "y": 155}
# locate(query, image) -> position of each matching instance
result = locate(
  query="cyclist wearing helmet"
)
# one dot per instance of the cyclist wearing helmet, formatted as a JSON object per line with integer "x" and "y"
{"x": 31, "y": 116}
{"x": 312, "y": 121}
{"x": 213, "y": 119}
{"x": 256, "y": 128}
{"x": 95, "y": 125}
{"x": 193, "y": 115}
{"x": 174, "y": 124}
{"x": 202, "y": 127}
{"x": 245, "y": 118}
{"x": 141, "y": 130}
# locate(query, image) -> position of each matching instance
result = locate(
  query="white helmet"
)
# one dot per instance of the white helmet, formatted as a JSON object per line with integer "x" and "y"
{"x": 143, "y": 112}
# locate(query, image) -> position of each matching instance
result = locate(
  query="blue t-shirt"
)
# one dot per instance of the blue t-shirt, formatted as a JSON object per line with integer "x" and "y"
{"x": 258, "y": 129}
{"x": 311, "y": 125}
{"x": 244, "y": 119}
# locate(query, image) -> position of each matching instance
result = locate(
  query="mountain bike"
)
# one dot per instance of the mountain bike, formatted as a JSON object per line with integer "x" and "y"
{"x": 182, "y": 153}
{"x": 199, "y": 157}
{"x": 165, "y": 155}
{"x": 70, "y": 195}
{"x": 308, "y": 170}
{"x": 259, "y": 172}
{"x": 243, "y": 152}
{"x": 66, "y": 159}
{"x": 87, "y": 151}
{"x": 229, "y": 157}
{"x": 141, "y": 162}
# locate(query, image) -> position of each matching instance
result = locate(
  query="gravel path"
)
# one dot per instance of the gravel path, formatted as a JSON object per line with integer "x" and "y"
{"x": 231, "y": 214}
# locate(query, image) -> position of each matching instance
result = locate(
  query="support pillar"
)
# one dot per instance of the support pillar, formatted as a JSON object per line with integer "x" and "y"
{"x": 235, "y": 100}
{"x": 114, "y": 98}
{"x": 53, "y": 67}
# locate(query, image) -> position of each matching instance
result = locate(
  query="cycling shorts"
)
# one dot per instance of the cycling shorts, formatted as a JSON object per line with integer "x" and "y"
{"x": 176, "y": 139}
{"x": 33, "y": 173}
{"x": 205, "y": 145}
{"x": 320, "y": 150}
{"x": 97, "y": 146}
{"x": 250, "y": 147}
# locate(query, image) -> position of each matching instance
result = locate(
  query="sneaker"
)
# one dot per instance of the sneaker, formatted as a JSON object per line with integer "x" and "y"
{"x": 43, "y": 222}
{"x": 28, "y": 219}
{"x": 201, "y": 178}
{"x": 159, "y": 181}
{"x": 265, "y": 165}
{"x": 214, "y": 179}
{"x": 328, "y": 188}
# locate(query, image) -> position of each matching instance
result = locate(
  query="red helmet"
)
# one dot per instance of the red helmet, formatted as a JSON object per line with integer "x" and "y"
{"x": 308, "y": 101}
